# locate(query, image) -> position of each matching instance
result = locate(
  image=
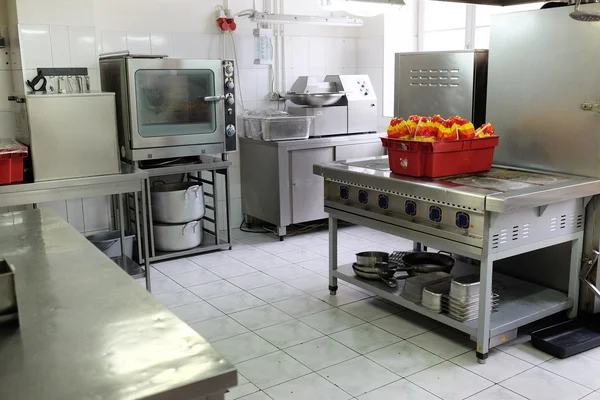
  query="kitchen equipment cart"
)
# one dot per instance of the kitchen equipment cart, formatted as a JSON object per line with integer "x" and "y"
{"x": 213, "y": 173}
{"x": 131, "y": 181}
{"x": 484, "y": 217}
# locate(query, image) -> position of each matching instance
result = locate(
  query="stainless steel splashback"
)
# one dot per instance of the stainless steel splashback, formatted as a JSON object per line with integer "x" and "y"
{"x": 442, "y": 82}
{"x": 542, "y": 67}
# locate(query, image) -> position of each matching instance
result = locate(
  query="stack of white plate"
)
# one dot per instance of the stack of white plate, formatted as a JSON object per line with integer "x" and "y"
{"x": 462, "y": 303}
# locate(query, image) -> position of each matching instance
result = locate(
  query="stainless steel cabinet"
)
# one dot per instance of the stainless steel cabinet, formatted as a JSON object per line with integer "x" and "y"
{"x": 278, "y": 184}
{"x": 350, "y": 151}
{"x": 307, "y": 188}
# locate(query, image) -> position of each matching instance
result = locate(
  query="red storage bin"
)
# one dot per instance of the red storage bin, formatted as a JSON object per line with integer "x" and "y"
{"x": 437, "y": 159}
{"x": 12, "y": 155}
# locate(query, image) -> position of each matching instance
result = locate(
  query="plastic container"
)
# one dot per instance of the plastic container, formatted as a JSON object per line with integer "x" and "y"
{"x": 273, "y": 125}
{"x": 110, "y": 243}
{"x": 12, "y": 155}
{"x": 437, "y": 159}
{"x": 567, "y": 338}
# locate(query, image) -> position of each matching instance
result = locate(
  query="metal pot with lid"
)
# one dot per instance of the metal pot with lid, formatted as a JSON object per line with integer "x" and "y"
{"x": 177, "y": 203}
{"x": 177, "y": 237}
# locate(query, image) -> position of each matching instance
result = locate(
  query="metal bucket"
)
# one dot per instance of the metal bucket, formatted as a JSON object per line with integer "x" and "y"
{"x": 110, "y": 243}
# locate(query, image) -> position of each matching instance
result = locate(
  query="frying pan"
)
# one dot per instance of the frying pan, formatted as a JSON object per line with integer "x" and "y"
{"x": 424, "y": 262}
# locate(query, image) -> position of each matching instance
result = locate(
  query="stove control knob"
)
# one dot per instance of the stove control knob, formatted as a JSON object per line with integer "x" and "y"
{"x": 230, "y": 99}
{"x": 410, "y": 208}
{"x": 228, "y": 69}
{"x": 383, "y": 202}
{"x": 229, "y": 84}
{"x": 230, "y": 130}
{"x": 435, "y": 214}
{"x": 463, "y": 220}
{"x": 344, "y": 192}
{"x": 363, "y": 197}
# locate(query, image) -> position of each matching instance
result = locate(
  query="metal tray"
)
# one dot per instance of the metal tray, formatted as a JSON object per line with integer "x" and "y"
{"x": 470, "y": 300}
{"x": 465, "y": 319}
{"x": 464, "y": 287}
{"x": 432, "y": 295}
{"x": 466, "y": 311}
{"x": 413, "y": 286}
{"x": 449, "y": 301}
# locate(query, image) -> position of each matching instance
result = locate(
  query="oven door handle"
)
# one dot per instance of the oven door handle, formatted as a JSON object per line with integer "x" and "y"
{"x": 213, "y": 98}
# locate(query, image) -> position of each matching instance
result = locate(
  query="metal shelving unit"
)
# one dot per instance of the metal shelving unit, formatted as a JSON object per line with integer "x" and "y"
{"x": 513, "y": 311}
{"x": 131, "y": 181}
{"x": 521, "y": 302}
{"x": 207, "y": 171}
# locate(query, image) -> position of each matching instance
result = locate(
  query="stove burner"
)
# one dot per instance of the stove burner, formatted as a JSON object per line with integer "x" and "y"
{"x": 380, "y": 165}
{"x": 504, "y": 180}
{"x": 491, "y": 183}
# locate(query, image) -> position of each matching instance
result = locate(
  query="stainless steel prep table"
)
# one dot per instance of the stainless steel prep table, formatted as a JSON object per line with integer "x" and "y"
{"x": 487, "y": 217}
{"x": 278, "y": 186}
{"x": 130, "y": 180}
{"x": 88, "y": 331}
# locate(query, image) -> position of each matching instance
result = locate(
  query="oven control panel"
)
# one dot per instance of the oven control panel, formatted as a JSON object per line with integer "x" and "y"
{"x": 229, "y": 83}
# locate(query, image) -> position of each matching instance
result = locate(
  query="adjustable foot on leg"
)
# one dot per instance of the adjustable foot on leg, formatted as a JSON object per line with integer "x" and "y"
{"x": 482, "y": 358}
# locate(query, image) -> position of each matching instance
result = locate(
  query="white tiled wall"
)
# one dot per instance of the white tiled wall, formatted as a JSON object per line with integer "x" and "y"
{"x": 7, "y": 125}
{"x": 82, "y": 29}
{"x": 381, "y": 38}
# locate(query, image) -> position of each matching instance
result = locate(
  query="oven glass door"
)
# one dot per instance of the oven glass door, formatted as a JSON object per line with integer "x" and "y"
{"x": 171, "y": 102}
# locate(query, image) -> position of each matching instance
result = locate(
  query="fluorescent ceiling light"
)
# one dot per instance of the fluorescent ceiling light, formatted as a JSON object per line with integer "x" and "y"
{"x": 362, "y": 8}
{"x": 265, "y": 18}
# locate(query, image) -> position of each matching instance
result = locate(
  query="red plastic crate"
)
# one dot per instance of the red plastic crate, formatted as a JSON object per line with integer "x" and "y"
{"x": 11, "y": 165}
{"x": 437, "y": 159}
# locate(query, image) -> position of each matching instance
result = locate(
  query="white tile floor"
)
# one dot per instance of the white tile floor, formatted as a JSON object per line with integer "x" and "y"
{"x": 265, "y": 306}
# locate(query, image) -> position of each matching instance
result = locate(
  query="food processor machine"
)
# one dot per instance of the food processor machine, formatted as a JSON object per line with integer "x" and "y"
{"x": 341, "y": 104}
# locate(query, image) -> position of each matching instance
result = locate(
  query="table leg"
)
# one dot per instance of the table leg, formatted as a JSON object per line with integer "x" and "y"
{"x": 228, "y": 206}
{"x": 333, "y": 262}
{"x": 146, "y": 249}
{"x": 216, "y": 205}
{"x": 485, "y": 302}
{"x": 148, "y": 217}
{"x": 138, "y": 232}
{"x": 281, "y": 232}
{"x": 122, "y": 223}
{"x": 574, "y": 268}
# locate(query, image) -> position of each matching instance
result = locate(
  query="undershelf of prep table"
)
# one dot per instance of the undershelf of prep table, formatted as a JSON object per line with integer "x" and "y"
{"x": 208, "y": 244}
{"x": 520, "y": 302}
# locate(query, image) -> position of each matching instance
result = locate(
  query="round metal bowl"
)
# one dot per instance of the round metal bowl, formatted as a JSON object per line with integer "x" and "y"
{"x": 368, "y": 259}
{"x": 314, "y": 99}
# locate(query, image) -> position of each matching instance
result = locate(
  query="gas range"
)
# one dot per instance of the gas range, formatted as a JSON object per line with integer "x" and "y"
{"x": 506, "y": 207}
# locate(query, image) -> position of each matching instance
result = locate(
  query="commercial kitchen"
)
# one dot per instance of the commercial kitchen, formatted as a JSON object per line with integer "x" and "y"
{"x": 289, "y": 200}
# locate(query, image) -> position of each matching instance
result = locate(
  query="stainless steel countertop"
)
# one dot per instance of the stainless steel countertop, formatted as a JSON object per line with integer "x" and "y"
{"x": 129, "y": 180}
{"x": 500, "y": 190}
{"x": 89, "y": 331}
{"x": 315, "y": 142}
